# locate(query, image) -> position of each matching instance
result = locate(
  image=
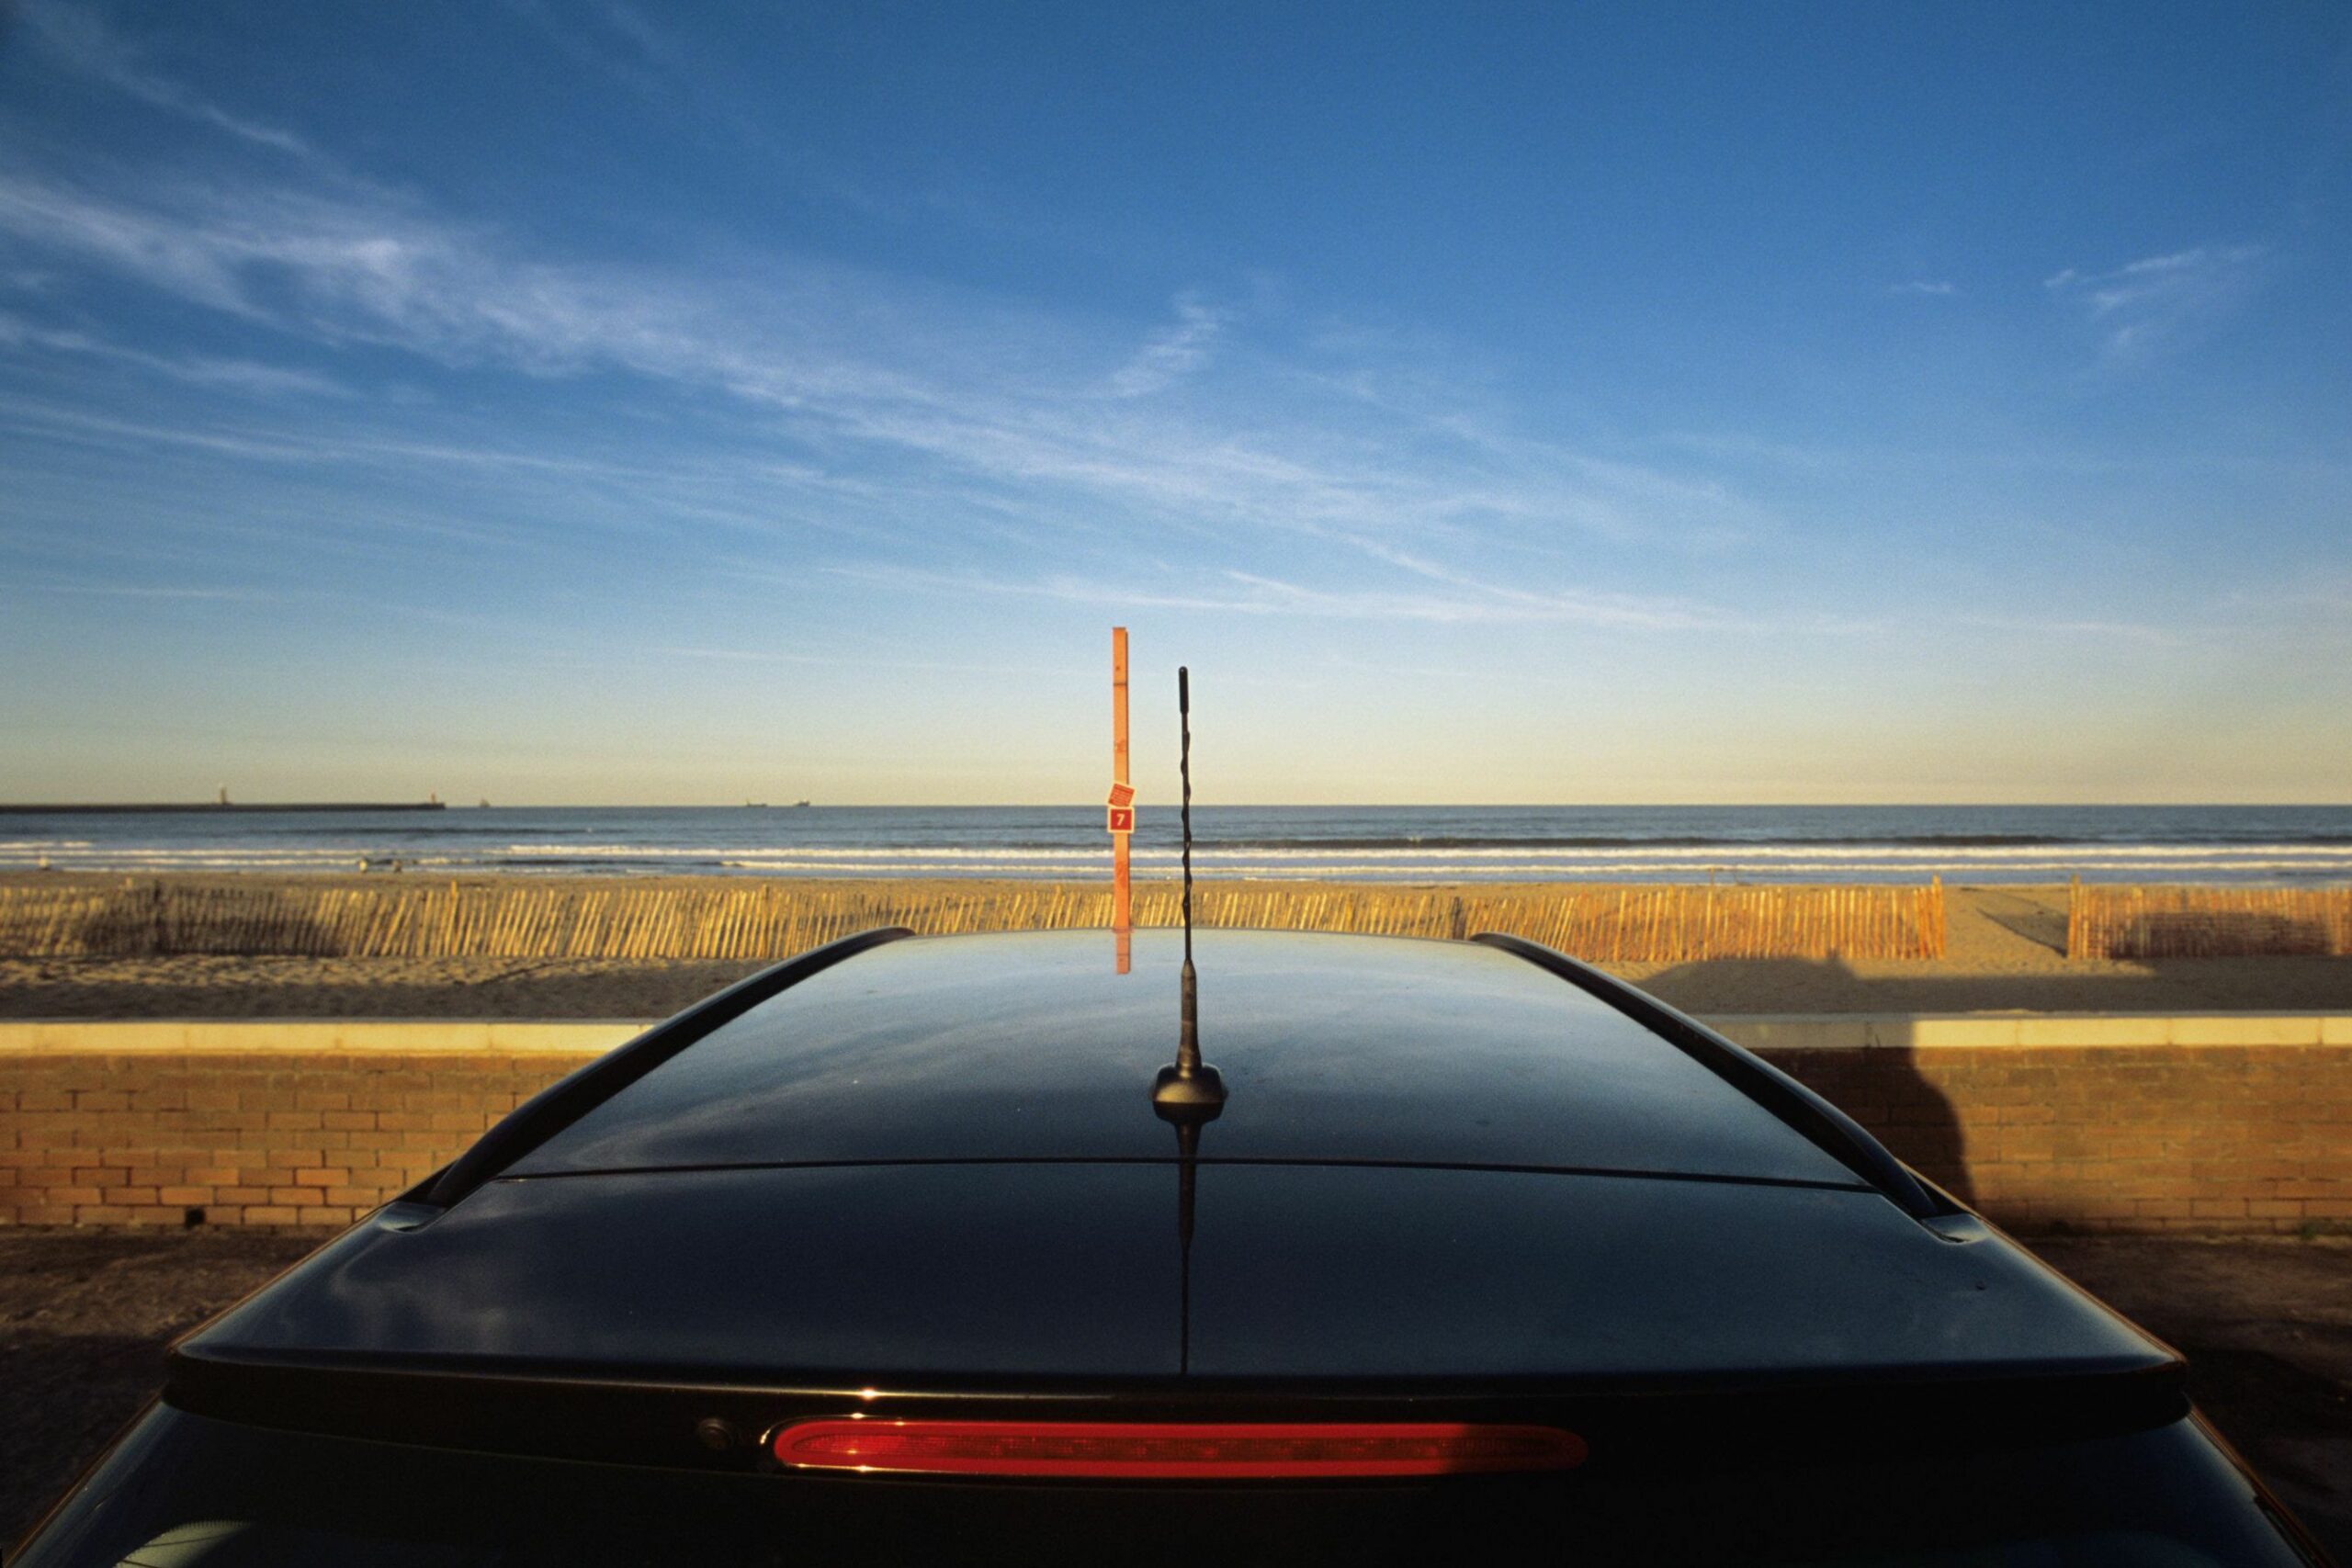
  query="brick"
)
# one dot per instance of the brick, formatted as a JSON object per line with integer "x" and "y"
{"x": 2231, "y": 1135}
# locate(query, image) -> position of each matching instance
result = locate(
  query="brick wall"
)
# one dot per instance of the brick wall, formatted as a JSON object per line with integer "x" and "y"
{"x": 253, "y": 1138}
{"x": 2218, "y": 1137}
{"x": 2097, "y": 1136}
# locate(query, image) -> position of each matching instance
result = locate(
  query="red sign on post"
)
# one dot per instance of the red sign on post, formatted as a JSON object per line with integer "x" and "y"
{"x": 1123, "y": 818}
{"x": 1123, "y": 793}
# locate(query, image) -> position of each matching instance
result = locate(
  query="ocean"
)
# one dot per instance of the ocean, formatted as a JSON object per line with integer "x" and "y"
{"x": 2244, "y": 844}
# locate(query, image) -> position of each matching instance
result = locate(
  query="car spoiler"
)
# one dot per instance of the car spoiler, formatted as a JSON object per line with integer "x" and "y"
{"x": 1829, "y": 1129}
{"x": 719, "y": 1423}
{"x": 570, "y": 1097}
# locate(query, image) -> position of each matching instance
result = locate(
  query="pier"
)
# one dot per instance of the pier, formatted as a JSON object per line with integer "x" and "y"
{"x": 217, "y": 808}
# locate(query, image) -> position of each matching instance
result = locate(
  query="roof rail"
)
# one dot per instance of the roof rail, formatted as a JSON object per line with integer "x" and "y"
{"x": 1835, "y": 1133}
{"x": 574, "y": 1096}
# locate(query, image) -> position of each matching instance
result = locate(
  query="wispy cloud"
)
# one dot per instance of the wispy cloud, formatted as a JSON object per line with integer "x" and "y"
{"x": 613, "y": 37}
{"x": 2158, "y": 302}
{"x": 2064, "y": 626}
{"x": 79, "y": 40}
{"x": 135, "y": 590}
{"x": 961, "y": 667}
{"x": 201, "y": 370}
{"x": 1926, "y": 288}
{"x": 1174, "y": 351}
{"x": 843, "y": 369}
{"x": 1249, "y": 593}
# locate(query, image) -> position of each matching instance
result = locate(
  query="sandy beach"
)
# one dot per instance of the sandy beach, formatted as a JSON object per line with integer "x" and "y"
{"x": 2006, "y": 954}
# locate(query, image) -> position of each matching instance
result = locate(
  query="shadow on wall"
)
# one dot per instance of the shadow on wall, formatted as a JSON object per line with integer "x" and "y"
{"x": 2303, "y": 985}
{"x": 1881, "y": 1087}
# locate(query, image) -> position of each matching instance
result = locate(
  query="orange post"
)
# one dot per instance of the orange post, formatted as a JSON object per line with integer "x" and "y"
{"x": 1122, "y": 923}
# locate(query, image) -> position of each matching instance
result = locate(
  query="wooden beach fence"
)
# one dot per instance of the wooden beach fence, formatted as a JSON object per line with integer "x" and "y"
{"x": 2207, "y": 922}
{"x": 742, "y": 918}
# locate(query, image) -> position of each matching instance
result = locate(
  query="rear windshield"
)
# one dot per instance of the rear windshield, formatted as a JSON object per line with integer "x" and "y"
{"x": 189, "y": 1492}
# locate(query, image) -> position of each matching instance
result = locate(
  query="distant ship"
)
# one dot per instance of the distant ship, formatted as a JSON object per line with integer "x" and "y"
{"x": 799, "y": 803}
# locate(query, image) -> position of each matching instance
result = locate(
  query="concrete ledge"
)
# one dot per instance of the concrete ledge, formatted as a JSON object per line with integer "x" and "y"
{"x": 1758, "y": 1032}
{"x": 423, "y": 1036}
{"x": 2076, "y": 1032}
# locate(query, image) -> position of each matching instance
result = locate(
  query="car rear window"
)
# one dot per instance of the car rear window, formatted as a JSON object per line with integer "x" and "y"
{"x": 1031, "y": 1045}
{"x": 190, "y": 1492}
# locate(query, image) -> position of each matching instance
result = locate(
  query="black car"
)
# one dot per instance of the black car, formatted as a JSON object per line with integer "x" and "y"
{"x": 913, "y": 1250}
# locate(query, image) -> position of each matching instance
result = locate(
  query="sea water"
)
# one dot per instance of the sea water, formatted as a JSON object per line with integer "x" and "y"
{"x": 2275, "y": 844}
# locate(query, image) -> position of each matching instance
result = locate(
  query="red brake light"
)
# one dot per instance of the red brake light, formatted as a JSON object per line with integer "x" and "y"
{"x": 1174, "y": 1451}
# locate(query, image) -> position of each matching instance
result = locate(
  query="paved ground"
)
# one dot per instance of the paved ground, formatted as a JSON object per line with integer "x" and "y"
{"x": 2267, "y": 1324}
{"x": 83, "y": 1318}
{"x": 2007, "y": 951}
{"x": 2268, "y": 1329}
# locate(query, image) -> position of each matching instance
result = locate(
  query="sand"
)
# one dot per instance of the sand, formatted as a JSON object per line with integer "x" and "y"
{"x": 2006, "y": 954}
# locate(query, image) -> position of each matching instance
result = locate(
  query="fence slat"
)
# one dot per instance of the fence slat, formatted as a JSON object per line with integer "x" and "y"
{"x": 728, "y": 918}
{"x": 2207, "y": 922}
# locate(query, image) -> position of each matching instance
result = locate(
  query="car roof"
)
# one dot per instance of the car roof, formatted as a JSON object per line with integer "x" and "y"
{"x": 1054, "y": 1272}
{"x": 934, "y": 1164}
{"x": 1334, "y": 1048}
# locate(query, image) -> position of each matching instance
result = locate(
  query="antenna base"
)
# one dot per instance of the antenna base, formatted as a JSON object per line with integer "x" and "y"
{"x": 1179, "y": 1096}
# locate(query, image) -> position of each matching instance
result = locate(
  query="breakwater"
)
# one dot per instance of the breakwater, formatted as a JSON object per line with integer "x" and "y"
{"x": 217, "y": 808}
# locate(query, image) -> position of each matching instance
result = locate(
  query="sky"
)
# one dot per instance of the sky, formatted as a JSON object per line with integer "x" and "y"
{"x": 619, "y": 403}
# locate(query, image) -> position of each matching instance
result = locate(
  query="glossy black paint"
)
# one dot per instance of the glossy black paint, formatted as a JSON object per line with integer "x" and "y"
{"x": 1341, "y": 1048}
{"x": 903, "y": 1276}
{"x": 562, "y": 1103}
{"x": 926, "y": 1178}
{"x": 2165, "y": 1495}
{"x": 1831, "y": 1130}
{"x": 937, "y": 1166}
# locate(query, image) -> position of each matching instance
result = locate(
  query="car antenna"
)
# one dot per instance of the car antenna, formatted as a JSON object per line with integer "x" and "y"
{"x": 1188, "y": 1094}
{"x": 1188, "y": 1089}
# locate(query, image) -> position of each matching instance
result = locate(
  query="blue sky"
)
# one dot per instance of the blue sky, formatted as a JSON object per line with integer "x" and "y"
{"x": 620, "y": 402}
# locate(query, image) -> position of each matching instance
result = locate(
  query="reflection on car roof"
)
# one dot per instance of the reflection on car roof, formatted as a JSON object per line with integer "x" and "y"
{"x": 1336, "y": 1048}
